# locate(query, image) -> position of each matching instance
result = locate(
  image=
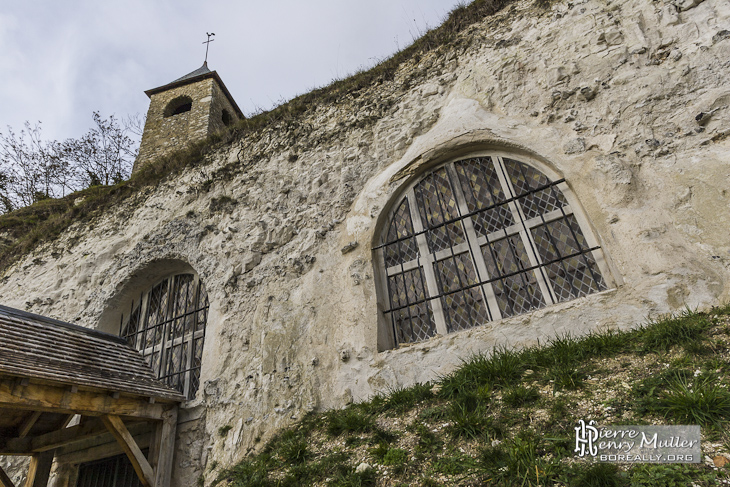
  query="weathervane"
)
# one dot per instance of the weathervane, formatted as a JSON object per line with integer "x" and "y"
{"x": 207, "y": 44}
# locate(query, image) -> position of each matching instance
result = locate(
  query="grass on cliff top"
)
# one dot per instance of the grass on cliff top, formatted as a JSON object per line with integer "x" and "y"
{"x": 23, "y": 229}
{"x": 507, "y": 419}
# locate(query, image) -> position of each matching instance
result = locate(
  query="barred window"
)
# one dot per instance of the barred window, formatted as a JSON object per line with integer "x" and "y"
{"x": 167, "y": 325}
{"x": 481, "y": 239}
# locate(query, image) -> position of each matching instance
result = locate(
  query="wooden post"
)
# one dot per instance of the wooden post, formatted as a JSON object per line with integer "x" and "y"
{"x": 40, "y": 469}
{"x": 5, "y": 480}
{"x": 116, "y": 426}
{"x": 166, "y": 448}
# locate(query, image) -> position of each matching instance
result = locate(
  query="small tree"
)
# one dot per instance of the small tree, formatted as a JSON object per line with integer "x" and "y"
{"x": 31, "y": 169}
{"x": 104, "y": 155}
{"x": 6, "y": 204}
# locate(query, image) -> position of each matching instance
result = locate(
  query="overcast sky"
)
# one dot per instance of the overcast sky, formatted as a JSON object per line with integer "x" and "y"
{"x": 61, "y": 60}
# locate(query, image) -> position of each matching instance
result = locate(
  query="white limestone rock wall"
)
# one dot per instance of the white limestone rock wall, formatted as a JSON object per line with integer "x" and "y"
{"x": 628, "y": 100}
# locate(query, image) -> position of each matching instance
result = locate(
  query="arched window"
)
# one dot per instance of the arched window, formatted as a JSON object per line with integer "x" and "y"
{"x": 167, "y": 326}
{"x": 481, "y": 239}
{"x": 178, "y": 105}
{"x": 226, "y": 118}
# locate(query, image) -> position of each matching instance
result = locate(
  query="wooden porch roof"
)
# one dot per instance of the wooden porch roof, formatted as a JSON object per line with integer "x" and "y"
{"x": 51, "y": 371}
{"x": 37, "y": 347}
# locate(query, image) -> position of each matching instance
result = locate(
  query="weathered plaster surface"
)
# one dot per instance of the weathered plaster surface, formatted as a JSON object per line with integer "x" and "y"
{"x": 607, "y": 94}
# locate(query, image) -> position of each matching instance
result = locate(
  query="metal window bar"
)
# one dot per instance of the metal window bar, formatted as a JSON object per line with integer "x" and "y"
{"x": 471, "y": 213}
{"x": 116, "y": 471}
{"x": 527, "y": 269}
{"x": 168, "y": 315}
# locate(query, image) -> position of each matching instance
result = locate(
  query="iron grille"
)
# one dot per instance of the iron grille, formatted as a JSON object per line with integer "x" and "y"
{"x": 167, "y": 325}
{"x": 478, "y": 240}
{"x": 111, "y": 472}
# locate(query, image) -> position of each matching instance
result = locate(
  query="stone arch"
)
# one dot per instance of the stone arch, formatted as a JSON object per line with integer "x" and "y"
{"x": 178, "y": 105}
{"x": 478, "y": 236}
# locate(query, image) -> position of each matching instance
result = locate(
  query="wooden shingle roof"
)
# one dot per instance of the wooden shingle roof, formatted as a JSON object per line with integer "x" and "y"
{"x": 41, "y": 348}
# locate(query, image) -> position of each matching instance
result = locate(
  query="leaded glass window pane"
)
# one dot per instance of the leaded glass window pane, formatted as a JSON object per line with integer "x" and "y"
{"x": 437, "y": 205}
{"x": 464, "y": 307}
{"x": 400, "y": 228}
{"x": 516, "y": 289}
{"x": 480, "y": 184}
{"x": 572, "y": 271}
{"x": 412, "y": 317}
{"x": 525, "y": 179}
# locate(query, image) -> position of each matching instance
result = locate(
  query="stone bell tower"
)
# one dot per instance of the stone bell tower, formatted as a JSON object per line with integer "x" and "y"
{"x": 185, "y": 110}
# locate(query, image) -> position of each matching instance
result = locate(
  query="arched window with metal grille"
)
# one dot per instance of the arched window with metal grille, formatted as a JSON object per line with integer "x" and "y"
{"x": 480, "y": 239}
{"x": 167, "y": 325}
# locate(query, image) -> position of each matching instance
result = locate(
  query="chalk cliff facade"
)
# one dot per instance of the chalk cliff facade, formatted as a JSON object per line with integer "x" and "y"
{"x": 352, "y": 249}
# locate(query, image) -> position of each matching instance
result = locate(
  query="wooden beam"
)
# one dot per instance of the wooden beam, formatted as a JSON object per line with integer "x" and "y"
{"x": 153, "y": 454}
{"x": 100, "y": 451}
{"x": 52, "y": 440}
{"x": 63, "y": 437}
{"x": 163, "y": 473}
{"x": 5, "y": 481}
{"x": 116, "y": 426}
{"x": 54, "y": 399}
{"x": 28, "y": 424}
{"x": 40, "y": 470}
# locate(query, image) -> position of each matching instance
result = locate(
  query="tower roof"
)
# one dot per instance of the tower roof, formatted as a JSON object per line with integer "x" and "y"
{"x": 201, "y": 70}
{"x": 194, "y": 76}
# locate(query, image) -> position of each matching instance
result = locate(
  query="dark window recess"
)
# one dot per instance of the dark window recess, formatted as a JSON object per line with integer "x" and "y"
{"x": 226, "y": 118}
{"x": 178, "y": 105}
{"x": 478, "y": 240}
{"x": 185, "y": 107}
{"x": 167, "y": 325}
{"x": 110, "y": 472}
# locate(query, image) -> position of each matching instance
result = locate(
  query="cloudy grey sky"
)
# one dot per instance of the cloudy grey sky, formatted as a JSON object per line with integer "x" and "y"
{"x": 59, "y": 61}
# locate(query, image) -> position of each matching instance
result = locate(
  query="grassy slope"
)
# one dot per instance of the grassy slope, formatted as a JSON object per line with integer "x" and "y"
{"x": 508, "y": 419}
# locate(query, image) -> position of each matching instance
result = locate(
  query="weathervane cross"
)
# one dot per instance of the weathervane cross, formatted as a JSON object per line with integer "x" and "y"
{"x": 207, "y": 44}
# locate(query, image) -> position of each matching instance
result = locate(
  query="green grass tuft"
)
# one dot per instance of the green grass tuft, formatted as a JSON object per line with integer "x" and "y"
{"x": 350, "y": 420}
{"x": 685, "y": 329}
{"x": 700, "y": 400}
{"x": 520, "y": 396}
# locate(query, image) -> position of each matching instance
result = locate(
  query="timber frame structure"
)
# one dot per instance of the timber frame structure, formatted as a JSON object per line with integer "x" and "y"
{"x": 70, "y": 395}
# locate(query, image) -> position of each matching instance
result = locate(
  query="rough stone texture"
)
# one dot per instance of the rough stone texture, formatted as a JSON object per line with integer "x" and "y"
{"x": 163, "y": 135}
{"x": 606, "y": 94}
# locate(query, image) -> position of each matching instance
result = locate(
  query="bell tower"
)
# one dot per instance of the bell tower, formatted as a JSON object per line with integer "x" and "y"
{"x": 186, "y": 110}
